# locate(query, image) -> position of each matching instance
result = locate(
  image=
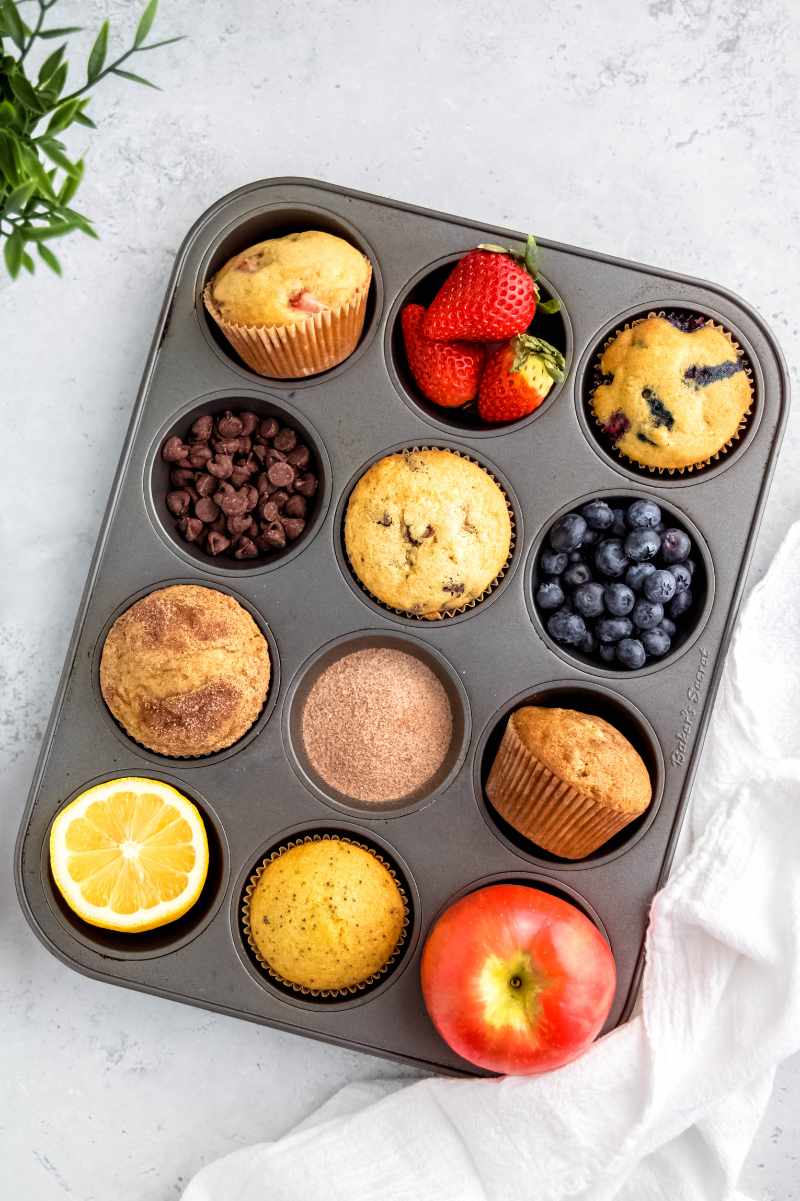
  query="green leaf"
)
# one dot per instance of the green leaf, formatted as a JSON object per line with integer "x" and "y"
{"x": 80, "y": 222}
{"x": 35, "y": 170}
{"x": 549, "y": 306}
{"x": 82, "y": 119}
{"x": 63, "y": 116}
{"x": 28, "y": 262}
{"x": 58, "y": 157}
{"x": 145, "y": 23}
{"x": 25, "y": 92}
{"x": 71, "y": 183}
{"x": 51, "y": 64}
{"x": 55, "y": 85}
{"x": 134, "y": 78}
{"x": 61, "y": 32}
{"x": 531, "y": 252}
{"x": 48, "y": 257}
{"x": 40, "y": 233}
{"x": 98, "y": 53}
{"x": 14, "y": 25}
{"x": 16, "y": 202}
{"x": 165, "y": 42}
{"x": 12, "y": 252}
{"x": 8, "y": 114}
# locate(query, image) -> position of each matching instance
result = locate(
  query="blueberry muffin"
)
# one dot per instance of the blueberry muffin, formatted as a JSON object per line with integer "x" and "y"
{"x": 292, "y": 306}
{"x": 567, "y": 781}
{"x": 185, "y": 670}
{"x": 427, "y": 532}
{"x": 671, "y": 398}
{"x": 325, "y": 915}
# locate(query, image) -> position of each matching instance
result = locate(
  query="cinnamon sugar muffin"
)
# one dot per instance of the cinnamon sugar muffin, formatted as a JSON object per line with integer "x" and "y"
{"x": 185, "y": 670}
{"x": 427, "y": 531}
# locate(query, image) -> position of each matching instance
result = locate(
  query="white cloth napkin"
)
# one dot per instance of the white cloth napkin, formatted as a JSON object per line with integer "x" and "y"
{"x": 665, "y": 1107}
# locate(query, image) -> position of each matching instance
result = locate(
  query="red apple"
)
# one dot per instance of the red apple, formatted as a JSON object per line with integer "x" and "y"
{"x": 515, "y": 980}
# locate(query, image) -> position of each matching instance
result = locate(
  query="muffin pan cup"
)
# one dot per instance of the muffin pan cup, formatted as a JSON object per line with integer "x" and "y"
{"x": 353, "y": 414}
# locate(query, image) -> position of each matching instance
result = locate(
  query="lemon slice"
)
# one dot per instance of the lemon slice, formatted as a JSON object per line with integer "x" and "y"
{"x": 129, "y": 855}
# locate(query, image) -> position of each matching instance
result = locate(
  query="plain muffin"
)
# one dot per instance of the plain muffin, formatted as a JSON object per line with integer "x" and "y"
{"x": 427, "y": 531}
{"x": 567, "y": 781}
{"x": 325, "y": 915}
{"x": 671, "y": 399}
{"x": 185, "y": 670}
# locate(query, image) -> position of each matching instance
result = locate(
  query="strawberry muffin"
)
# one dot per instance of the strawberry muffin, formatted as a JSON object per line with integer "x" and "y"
{"x": 292, "y": 306}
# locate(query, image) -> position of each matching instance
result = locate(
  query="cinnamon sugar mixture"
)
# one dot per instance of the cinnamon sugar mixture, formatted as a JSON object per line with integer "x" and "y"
{"x": 377, "y": 725}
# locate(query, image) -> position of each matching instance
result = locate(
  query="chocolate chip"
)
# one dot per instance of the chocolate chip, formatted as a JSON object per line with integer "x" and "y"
{"x": 233, "y": 504}
{"x": 268, "y": 428}
{"x": 285, "y": 439}
{"x": 384, "y": 521}
{"x": 221, "y": 466}
{"x": 454, "y": 587}
{"x": 299, "y": 457}
{"x": 220, "y": 525}
{"x": 260, "y": 450}
{"x": 174, "y": 450}
{"x": 274, "y": 456}
{"x": 252, "y": 497}
{"x": 306, "y": 485}
{"x": 245, "y": 444}
{"x": 293, "y": 527}
{"x": 282, "y": 475}
{"x": 296, "y": 506}
{"x": 199, "y": 455}
{"x": 202, "y": 428}
{"x": 206, "y": 510}
{"x": 251, "y": 465}
{"x": 180, "y": 477}
{"x": 185, "y": 464}
{"x": 193, "y": 493}
{"x": 249, "y": 422}
{"x": 178, "y": 502}
{"x": 229, "y": 426}
{"x": 263, "y": 484}
{"x": 239, "y": 476}
{"x": 238, "y": 523}
{"x": 191, "y": 528}
{"x": 275, "y": 535}
{"x": 246, "y": 549}
{"x": 279, "y": 499}
{"x": 268, "y": 511}
{"x": 225, "y": 446}
{"x": 216, "y": 543}
{"x": 206, "y": 485}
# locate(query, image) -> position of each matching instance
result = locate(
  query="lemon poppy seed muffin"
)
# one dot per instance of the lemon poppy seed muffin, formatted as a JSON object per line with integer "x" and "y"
{"x": 671, "y": 398}
{"x": 566, "y": 780}
{"x": 325, "y": 915}
{"x": 427, "y": 531}
{"x": 185, "y": 670}
{"x": 292, "y": 306}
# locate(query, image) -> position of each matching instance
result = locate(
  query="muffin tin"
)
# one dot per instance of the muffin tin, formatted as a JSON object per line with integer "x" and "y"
{"x": 491, "y": 658}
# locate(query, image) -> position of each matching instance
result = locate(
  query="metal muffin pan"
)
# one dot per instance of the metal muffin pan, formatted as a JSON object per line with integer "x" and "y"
{"x": 492, "y": 658}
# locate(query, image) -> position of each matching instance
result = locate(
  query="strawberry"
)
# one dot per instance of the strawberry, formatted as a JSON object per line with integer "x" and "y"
{"x": 490, "y": 295}
{"x": 447, "y": 372}
{"x": 517, "y": 377}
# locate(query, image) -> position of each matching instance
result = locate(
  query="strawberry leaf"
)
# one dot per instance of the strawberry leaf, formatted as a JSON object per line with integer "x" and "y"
{"x": 553, "y": 305}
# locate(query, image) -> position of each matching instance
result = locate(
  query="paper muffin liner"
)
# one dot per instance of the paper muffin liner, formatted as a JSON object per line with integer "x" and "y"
{"x": 718, "y": 454}
{"x": 320, "y": 342}
{"x": 546, "y": 809}
{"x": 300, "y": 989}
{"x": 445, "y": 613}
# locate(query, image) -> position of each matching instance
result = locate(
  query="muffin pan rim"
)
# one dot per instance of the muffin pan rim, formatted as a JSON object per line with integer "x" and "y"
{"x": 648, "y": 734}
{"x": 394, "y": 1039}
{"x": 440, "y": 423}
{"x": 653, "y": 479}
{"x": 368, "y": 334}
{"x": 187, "y": 761}
{"x": 598, "y": 668}
{"x": 221, "y": 565}
{"x": 382, "y": 811}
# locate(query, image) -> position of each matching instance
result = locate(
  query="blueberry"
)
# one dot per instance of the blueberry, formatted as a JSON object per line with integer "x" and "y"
{"x": 576, "y": 574}
{"x": 587, "y": 643}
{"x": 643, "y": 515}
{"x": 599, "y": 515}
{"x": 682, "y": 576}
{"x": 619, "y": 599}
{"x": 549, "y": 595}
{"x": 630, "y": 653}
{"x": 611, "y": 629}
{"x": 647, "y": 614}
{"x": 566, "y": 627}
{"x": 690, "y": 566}
{"x": 680, "y": 602}
{"x": 636, "y": 575}
{"x": 576, "y": 556}
{"x": 669, "y": 627}
{"x": 675, "y": 546}
{"x": 590, "y": 537}
{"x": 619, "y": 529}
{"x": 660, "y": 586}
{"x": 610, "y": 558}
{"x": 641, "y": 545}
{"x": 607, "y": 651}
{"x": 588, "y": 599}
{"x": 553, "y": 562}
{"x": 567, "y": 532}
{"x": 656, "y": 642}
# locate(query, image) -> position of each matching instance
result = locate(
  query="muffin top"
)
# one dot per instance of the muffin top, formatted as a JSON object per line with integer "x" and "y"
{"x": 674, "y": 398}
{"x": 284, "y": 281}
{"x": 326, "y": 915}
{"x": 588, "y": 753}
{"x": 427, "y": 531}
{"x": 185, "y": 670}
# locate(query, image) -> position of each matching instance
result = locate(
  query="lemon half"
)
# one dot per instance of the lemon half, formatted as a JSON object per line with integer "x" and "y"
{"x": 129, "y": 854}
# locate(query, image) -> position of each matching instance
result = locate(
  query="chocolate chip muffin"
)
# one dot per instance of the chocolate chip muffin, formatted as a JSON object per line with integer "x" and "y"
{"x": 292, "y": 306}
{"x": 671, "y": 398}
{"x": 185, "y": 670}
{"x": 567, "y": 781}
{"x": 427, "y": 532}
{"x": 325, "y": 915}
